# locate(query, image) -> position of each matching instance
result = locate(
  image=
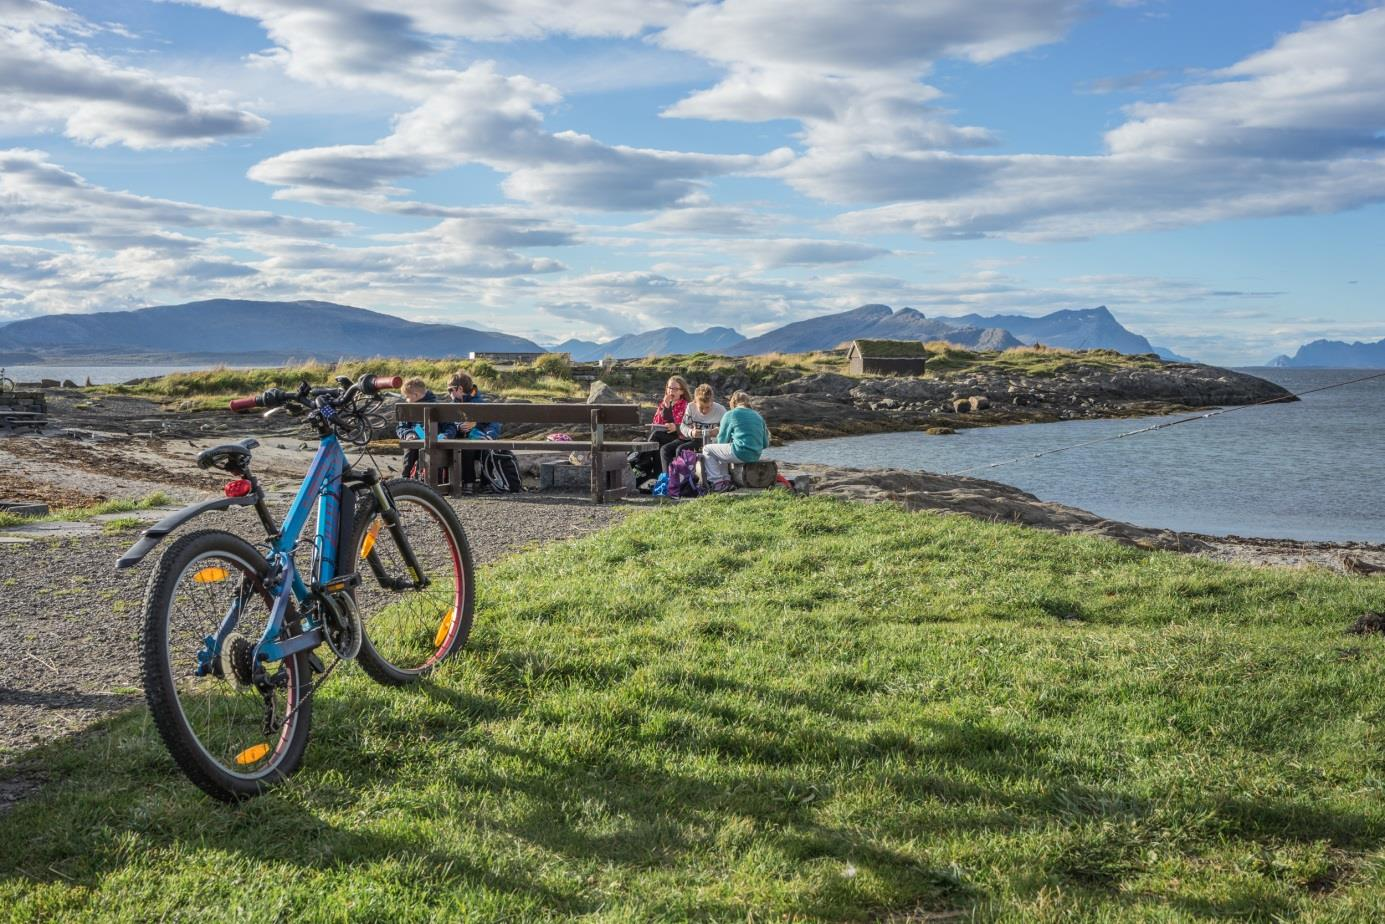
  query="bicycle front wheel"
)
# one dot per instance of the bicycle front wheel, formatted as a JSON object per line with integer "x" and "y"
{"x": 235, "y": 728}
{"x": 411, "y": 625}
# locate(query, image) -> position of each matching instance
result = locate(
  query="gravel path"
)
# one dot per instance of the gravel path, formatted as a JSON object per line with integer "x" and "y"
{"x": 72, "y": 621}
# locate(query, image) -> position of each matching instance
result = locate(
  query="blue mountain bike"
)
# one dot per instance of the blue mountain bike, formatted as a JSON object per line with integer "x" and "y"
{"x": 229, "y": 651}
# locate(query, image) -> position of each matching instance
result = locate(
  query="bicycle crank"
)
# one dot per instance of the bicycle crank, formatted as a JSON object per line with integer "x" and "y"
{"x": 341, "y": 624}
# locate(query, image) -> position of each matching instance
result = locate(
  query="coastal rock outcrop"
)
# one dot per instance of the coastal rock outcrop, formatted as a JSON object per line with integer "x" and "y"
{"x": 986, "y": 500}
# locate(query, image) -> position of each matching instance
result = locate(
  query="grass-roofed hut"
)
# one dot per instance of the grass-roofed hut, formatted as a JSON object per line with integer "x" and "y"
{"x": 886, "y": 357}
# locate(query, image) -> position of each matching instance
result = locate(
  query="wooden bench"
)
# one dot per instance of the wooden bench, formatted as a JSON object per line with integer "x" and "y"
{"x": 13, "y": 420}
{"x": 436, "y": 453}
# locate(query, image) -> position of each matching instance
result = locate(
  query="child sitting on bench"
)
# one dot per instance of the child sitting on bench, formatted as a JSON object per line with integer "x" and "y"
{"x": 742, "y": 438}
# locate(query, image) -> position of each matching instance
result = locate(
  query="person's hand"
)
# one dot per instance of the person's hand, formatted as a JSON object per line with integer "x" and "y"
{"x": 670, "y": 427}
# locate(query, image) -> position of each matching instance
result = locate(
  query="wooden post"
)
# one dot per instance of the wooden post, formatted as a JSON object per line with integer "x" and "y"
{"x": 598, "y": 469}
{"x": 429, "y": 455}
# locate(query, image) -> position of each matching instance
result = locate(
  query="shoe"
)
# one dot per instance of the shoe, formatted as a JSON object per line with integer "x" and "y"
{"x": 468, "y": 488}
{"x": 723, "y": 486}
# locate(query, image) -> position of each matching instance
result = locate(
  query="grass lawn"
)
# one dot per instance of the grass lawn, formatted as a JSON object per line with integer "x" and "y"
{"x": 68, "y": 514}
{"x": 750, "y": 709}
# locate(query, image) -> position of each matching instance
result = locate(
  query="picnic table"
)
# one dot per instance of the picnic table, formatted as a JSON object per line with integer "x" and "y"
{"x": 14, "y": 420}
{"x": 437, "y": 455}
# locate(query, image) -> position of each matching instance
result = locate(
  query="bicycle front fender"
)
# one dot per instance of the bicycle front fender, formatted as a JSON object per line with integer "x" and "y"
{"x": 155, "y": 534}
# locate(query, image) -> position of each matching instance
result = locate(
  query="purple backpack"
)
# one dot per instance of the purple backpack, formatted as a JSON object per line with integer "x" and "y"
{"x": 682, "y": 475}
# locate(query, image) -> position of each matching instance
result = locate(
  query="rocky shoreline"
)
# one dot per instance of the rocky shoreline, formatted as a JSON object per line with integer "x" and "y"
{"x": 828, "y": 404}
{"x": 995, "y": 502}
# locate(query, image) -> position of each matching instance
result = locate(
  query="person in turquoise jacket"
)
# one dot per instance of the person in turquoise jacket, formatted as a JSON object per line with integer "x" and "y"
{"x": 742, "y": 438}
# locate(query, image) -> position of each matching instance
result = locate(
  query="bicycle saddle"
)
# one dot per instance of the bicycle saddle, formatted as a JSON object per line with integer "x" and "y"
{"x": 233, "y": 457}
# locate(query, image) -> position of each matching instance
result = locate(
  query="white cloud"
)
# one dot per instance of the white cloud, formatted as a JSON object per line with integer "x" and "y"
{"x": 46, "y": 79}
{"x": 485, "y": 117}
{"x": 405, "y": 48}
{"x": 869, "y": 35}
{"x": 726, "y": 221}
{"x": 125, "y": 250}
{"x": 1291, "y": 130}
{"x": 807, "y": 252}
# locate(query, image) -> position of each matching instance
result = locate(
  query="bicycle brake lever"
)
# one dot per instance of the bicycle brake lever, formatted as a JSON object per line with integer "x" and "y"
{"x": 281, "y": 409}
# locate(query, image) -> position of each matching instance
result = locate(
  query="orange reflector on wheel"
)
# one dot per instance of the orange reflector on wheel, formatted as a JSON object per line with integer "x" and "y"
{"x": 444, "y": 628}
{"x": 210, "y": 575}
{"x": 251, "y": 754}
{"x": 368, "y": 542}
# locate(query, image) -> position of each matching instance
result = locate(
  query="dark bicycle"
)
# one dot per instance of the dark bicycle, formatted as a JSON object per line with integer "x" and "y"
{"x": 231, "y": 630}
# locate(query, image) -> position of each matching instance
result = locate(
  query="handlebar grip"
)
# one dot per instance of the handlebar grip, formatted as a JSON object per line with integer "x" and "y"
{"x": 244, "y": 404}
{"x": 372, "y": 384}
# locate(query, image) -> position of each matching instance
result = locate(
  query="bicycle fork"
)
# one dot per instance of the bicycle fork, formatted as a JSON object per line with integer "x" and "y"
{"x": 389, "y": 516}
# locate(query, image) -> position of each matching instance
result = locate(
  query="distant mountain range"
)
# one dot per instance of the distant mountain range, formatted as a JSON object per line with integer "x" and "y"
{"x": 1082, "y": 329}
{"x": 876, "y": 322}
{"x": 661, "y": 342}
{"x": 228, "y": 330}
{"x": 233, "y": 330}
{"x": 1335, "y": 354}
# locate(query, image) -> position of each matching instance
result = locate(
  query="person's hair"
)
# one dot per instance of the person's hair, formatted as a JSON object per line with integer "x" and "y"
{"x": 704, "y": 393}
{"x": 415, "y": 385}
{"x": 682, "y": 384}
{"x": 740, "y": 399}
{"x": 461, "y": 380}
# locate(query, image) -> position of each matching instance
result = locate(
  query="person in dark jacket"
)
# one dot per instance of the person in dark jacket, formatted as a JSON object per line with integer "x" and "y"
{"x": 461, "y": 389}
{"x": 416, "y": 391}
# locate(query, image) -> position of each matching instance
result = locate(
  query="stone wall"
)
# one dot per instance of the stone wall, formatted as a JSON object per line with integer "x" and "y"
{"x": 24, "y": 401}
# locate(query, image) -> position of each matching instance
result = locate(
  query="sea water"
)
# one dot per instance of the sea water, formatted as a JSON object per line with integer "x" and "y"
{"x": 1312, "y": 469}
{"x": 99, "y": 375}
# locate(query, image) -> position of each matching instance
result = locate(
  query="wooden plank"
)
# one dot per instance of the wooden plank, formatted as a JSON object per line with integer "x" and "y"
{"x": 611, "y": 414}
{"x": 563, "y": 446}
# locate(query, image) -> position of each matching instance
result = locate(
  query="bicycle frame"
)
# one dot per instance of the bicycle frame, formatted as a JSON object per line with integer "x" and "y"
{"x": 324, "y": 484}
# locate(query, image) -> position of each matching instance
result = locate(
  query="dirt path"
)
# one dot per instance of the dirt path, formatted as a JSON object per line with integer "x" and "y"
{"x": 72, "y": 621}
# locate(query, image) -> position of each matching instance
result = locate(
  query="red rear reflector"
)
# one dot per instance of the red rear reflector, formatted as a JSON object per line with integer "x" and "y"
{"x": 238, "y": 488}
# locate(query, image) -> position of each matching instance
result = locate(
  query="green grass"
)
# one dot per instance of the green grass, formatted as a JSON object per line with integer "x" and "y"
{"x": 784, "y": 709}
{"x": 122, "y": 524}
{"x": 68, "y": 514}
{"x": 211, "y": 389}
{"x": 550, "y": 379}
{"x": 948, "y": 361}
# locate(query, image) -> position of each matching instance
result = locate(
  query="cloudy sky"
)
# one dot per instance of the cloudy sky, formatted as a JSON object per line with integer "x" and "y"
{"x": 1213, "y": 172}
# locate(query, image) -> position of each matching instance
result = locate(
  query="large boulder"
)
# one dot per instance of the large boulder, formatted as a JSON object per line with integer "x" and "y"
{"x": 601, "y": 393}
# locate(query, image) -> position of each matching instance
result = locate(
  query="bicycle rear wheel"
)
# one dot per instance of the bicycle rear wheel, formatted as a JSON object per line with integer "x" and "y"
{"x": 233, "y": 729}
{"x": 408, "y": 630}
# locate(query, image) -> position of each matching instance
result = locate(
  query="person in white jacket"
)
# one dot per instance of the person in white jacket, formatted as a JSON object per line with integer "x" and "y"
{"x": 700, "y": 423}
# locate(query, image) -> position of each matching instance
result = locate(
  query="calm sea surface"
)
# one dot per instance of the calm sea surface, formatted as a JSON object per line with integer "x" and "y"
{"x": 1314, "y": 469}
{"x": 100, "y": 375}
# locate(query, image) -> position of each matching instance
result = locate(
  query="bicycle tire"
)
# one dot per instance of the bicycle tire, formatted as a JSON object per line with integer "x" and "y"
{"x": 187, "y": 708}
{"x": 408, "y": 632}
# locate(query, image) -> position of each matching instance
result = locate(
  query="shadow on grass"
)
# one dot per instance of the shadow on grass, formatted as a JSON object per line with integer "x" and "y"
{"x": 726, "y": 752}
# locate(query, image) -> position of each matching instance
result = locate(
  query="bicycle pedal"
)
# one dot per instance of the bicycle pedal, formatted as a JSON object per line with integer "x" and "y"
{"x": 316, "y": 664}
{"x": 338, "y": 584}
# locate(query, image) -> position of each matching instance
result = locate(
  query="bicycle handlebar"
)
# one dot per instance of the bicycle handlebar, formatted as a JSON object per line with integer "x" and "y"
{"x": 274, "y": 397}
{"x": 370, "y": 384}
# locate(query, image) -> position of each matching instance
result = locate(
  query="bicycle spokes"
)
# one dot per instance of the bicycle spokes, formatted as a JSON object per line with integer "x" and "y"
{"x": 238, "y": 712}
{"x": 408, "y": 624}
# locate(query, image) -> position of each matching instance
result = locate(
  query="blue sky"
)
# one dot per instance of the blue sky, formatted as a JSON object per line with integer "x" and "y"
{"x": 1214, "y": 173}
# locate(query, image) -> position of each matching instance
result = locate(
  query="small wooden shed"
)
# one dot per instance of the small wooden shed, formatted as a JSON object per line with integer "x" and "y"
{"x": 886, "y": 357}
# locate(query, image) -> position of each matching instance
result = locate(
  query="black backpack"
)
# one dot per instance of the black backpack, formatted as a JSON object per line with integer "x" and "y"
{"x": 500, "y": 470}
